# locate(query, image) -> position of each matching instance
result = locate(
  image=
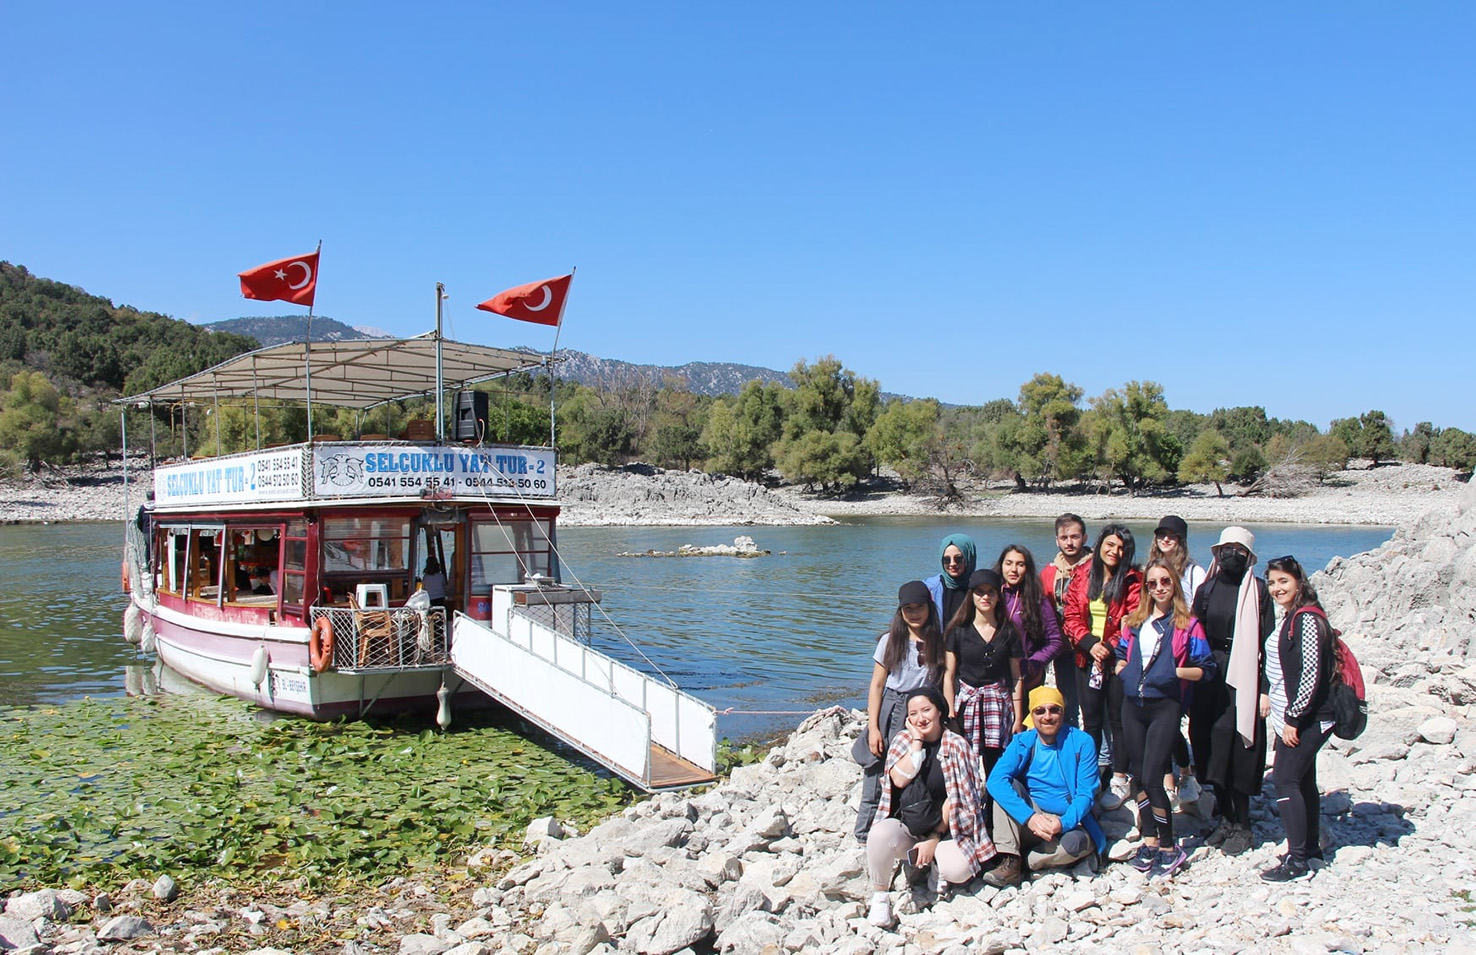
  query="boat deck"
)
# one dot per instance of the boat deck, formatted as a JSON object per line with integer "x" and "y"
{"x": 670, "y": 771}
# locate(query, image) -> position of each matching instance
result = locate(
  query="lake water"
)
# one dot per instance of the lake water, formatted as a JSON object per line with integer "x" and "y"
{"x": 769, "y": 638}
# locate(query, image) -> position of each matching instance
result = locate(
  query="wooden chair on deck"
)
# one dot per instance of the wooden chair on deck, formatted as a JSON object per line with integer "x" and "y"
{"x": 376, "y": 633}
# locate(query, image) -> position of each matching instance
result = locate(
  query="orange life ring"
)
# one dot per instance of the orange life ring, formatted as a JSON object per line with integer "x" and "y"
{"x": 320, "y": 645}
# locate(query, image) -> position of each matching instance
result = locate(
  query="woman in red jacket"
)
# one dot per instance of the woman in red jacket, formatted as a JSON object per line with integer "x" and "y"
{"x": 1100, "y": 596}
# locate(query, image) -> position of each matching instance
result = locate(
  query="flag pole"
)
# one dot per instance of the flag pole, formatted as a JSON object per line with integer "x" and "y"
{"x": 440, "y": 374}
{"x": 558, "y": 329}
{"x": 308, "y": 349}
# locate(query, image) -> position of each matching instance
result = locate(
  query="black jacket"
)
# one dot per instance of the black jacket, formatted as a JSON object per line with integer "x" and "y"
{"x": 1306, "y": 645}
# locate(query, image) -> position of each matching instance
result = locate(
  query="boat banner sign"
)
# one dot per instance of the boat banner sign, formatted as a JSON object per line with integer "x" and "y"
{"x": 238, "y": 479}
{"x": 367, "y": 470}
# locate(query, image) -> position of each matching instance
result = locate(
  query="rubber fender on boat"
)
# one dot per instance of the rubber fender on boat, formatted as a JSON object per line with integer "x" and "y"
{"x": 133, "y": 624}
{"x": 320, "y": 645}
{"x": 259, "y": 666}
{"x": 146, "y": 641}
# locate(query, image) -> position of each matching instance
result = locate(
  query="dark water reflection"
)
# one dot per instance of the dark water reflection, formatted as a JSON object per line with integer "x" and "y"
{"x": 767, "y": 637}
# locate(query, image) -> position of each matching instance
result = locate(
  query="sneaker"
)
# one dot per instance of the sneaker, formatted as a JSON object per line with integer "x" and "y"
{"x": 1238, "y": 841}
{"x": 1117, "y": 793}
{"x": 1288, "y": 870}
{"x": 1169, "y": 861}
{"x": 1143, "y": 861}
{"x": 881, "y": 912}
{"x": 1220, "y": 834}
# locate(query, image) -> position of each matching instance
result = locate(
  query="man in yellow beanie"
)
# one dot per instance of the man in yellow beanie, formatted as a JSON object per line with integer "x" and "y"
{"x": 1044, "y": 785}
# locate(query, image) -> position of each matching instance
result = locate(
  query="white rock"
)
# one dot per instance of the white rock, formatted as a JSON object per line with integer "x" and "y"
{"x": 1440, "y": 730}
{"x": 17, "y": 933}
{"x": 419, "y": 944}
{"x": 43, "y": 904}
{"x": 165, "y": 889}
{"x": 686, "y": 918}
{"x": 122, "y": 927}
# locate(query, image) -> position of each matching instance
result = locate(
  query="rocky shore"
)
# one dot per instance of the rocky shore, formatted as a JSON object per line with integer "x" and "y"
{"x": 764, "y": 862}
{"x": 637, "y": 494}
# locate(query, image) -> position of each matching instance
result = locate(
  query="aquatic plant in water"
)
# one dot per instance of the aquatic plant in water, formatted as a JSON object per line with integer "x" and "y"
{"x": 203, "y": 787}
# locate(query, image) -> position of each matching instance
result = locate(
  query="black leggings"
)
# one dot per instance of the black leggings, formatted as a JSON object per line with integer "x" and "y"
{"x": 1150, "y": 729}
{"x": 1103, "y": 705}
{"x": 1297, "y": 797}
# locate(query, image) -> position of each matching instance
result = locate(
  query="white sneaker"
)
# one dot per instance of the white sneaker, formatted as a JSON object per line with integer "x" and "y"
{"x": 1119, "y": 792}
{"x": 881, "y": 912}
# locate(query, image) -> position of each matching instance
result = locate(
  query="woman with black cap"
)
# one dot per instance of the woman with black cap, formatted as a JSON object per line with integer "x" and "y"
{"x": 907, "y": 657}
{"x": 1226, "y": 732}
{"x": 930, "y": 810}
{"x": 981, "y": 677}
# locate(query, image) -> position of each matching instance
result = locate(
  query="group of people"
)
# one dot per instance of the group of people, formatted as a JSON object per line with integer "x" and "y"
{"x": 1007, "y": 703}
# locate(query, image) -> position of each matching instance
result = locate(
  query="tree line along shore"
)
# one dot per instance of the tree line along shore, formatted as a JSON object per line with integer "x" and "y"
{"x": 65, "y": 355}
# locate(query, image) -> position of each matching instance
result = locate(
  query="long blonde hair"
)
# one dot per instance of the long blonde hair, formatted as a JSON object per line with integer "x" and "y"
{"x": 1182, "y": 616}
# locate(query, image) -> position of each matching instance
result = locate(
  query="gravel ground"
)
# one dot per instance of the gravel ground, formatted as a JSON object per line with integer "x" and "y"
{"x": 643, "y": 495}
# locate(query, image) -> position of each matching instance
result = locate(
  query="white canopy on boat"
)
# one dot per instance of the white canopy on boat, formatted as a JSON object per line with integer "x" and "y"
{"x": 349, "y": 374}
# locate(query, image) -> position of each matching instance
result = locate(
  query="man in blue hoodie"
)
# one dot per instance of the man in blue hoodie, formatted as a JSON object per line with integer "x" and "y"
{"x": 1044, "y": 786}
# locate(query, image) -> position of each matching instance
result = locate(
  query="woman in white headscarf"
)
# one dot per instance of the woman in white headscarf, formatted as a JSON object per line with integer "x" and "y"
{"x": 1226, "y": 730}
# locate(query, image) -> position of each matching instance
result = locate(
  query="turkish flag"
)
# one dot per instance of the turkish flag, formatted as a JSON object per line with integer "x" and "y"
{"x": 541, "y": 302}
{"x": 288, "y": 280}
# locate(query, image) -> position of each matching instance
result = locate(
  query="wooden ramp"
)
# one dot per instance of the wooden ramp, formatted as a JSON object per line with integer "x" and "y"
{"x": 670, "y": 771}
{"x": 643, "y": 729}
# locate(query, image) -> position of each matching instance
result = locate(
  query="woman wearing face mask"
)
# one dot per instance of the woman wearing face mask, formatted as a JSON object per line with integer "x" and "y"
{"x": 1161, "y": 652}
{"x": 930, "y": 811}
{"x": 1296, "y": 702}
{"x": 1099, "y": 597}
{"x": 1032, "y": 613}
{"x": 950, "y": 589}
{"x": 1225, "y": 730}
{"x": 908, "y": 656}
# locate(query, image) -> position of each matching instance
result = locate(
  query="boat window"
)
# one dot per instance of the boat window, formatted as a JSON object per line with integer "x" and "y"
{"x": 252, "y": 575}
{"x": 176, "y": 547}
{"x": 358, "y": 544}
{"x": 203, "y": 563}
{"x": 294, "y": 563}
{"x": 508, "y": 552}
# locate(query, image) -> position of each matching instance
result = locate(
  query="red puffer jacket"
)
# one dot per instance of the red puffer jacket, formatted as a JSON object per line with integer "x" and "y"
{"x": 1077, "y": 620}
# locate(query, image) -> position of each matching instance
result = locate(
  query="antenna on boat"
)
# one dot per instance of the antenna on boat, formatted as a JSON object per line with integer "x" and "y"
{"x": 440, "y": 383}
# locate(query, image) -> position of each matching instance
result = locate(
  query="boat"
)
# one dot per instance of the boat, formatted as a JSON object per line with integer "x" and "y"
{"x": 374, "y": 574}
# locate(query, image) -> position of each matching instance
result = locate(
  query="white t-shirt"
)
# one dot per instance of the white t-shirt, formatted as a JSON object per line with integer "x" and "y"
{"x": 908, "y": 674}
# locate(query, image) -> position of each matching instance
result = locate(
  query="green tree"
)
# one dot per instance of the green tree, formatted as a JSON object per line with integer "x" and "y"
{"x": 1414, "y": 446}
{"x": 1049, "y": 441}
{"x": 1377, "y": 437}
{"x": 829, "y": 459}
{"x": 904, "y": 436}
{"x": 1132, "y": 441}
{"x": 740, "y": 432}
{"x": 35, "y": 420}
{"x": 1454, "y": 448}
{"x": 1206, "y": 460}
{"x": 1325, "y": 453}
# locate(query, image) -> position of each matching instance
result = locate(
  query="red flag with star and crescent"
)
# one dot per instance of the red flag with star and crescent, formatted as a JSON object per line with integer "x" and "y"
{"x": 540, "y": 302}
{"x": 292, "y": 280}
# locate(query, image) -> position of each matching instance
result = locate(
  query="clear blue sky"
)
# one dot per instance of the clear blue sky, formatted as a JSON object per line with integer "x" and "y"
{"x": 1249, "y": 203}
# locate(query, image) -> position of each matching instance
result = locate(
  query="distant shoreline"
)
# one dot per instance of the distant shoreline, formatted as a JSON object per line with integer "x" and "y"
{"x": 638, "y": 495}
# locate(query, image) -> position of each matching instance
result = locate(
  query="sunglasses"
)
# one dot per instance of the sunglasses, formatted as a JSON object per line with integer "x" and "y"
{"x": 1160, "y": 585}
{"x": 954, "y": 560}
{"x": 1046, "y": 711}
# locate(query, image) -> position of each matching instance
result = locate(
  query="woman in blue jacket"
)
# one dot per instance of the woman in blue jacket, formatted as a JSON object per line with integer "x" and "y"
{"x": 1162, "y": 651}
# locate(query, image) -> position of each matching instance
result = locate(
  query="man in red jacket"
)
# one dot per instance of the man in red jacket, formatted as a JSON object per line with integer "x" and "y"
{"x": 1055, "y": 577}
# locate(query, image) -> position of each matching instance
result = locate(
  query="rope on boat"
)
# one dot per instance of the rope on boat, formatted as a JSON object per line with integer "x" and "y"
{"x": 542, "y": 529}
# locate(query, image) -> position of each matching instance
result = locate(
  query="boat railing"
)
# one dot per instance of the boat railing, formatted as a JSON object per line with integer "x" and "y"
{"x": 394, "y": 638}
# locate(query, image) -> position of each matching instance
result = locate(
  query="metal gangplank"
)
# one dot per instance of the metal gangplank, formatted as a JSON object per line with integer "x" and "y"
{"x": 529, "y": 656}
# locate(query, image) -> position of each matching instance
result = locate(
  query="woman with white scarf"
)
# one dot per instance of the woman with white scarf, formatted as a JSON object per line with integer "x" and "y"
{"x": 1226, "y": 730}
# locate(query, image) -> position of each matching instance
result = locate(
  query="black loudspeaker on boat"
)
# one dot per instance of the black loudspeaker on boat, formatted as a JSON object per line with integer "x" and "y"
{"x": 471, "y": 416}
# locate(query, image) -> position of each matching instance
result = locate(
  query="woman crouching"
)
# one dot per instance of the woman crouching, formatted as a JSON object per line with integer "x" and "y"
{"x": 930, "y": 811}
